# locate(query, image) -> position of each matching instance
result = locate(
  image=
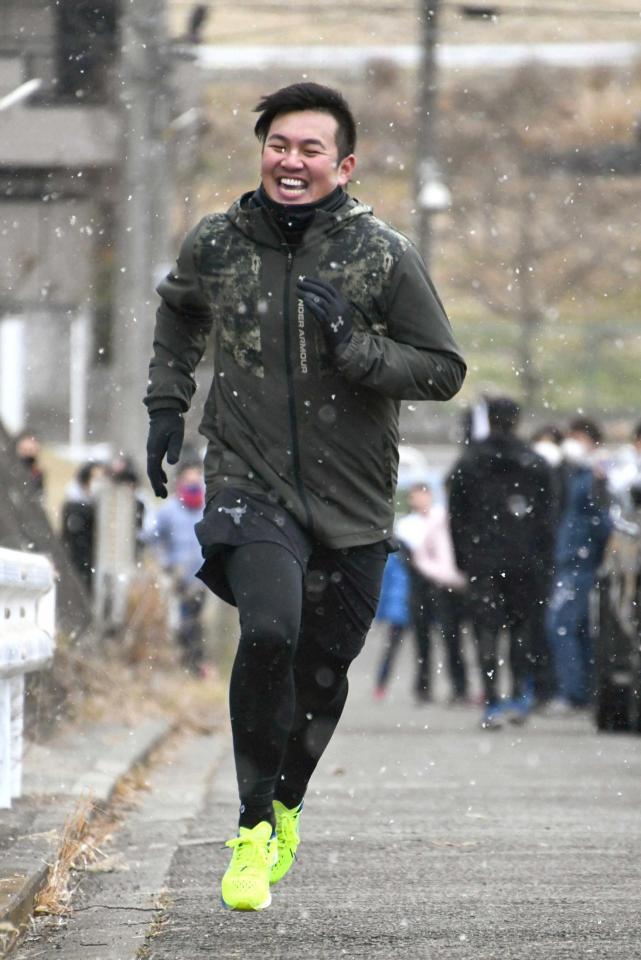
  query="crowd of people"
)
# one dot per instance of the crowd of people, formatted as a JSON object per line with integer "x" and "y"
{"x": 165, "y": 533}
{"x": 509, "y": 546}
{"x": 510, "y": 560}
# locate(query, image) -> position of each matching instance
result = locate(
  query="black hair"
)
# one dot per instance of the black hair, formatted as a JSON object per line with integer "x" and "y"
{"x": 423, "y": 486}
{"x": 588, "y": 427}
{"x": 192, "y": 463}
{"x": 84, "y": 472}
{"x": 122, "y": 469}
{"x": 503, "y": 414}
{"x": 637, "y": 432}
{"x": 308, "y": 96}
{"x": 549, "y": 430}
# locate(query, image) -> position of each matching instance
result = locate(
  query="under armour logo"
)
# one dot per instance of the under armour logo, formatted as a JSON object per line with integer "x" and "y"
{"x": 236, "y": 513}
{"x": 337, "y": 325}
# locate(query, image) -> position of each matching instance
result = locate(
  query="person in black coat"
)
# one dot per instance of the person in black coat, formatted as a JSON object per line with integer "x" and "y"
{"x": 78, "y": 521}
{"x": 501, "y": 507}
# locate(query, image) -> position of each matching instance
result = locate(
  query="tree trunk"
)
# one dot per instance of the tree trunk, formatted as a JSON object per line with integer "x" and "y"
{"x": 529, "y": 315}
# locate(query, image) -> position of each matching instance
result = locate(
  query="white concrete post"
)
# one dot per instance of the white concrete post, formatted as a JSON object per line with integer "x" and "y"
{"x": 12, "y": 371}
{"x": 115, "y": 558}
{"x": 79, "y": 359}
{"x": 5, "y": 744}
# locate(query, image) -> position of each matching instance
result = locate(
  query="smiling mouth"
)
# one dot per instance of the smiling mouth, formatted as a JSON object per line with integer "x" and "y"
{"x": 293, "y": 186}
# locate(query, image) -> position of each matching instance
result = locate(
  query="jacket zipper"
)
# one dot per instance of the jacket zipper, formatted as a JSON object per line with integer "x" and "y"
{"x": 293, "y": 419}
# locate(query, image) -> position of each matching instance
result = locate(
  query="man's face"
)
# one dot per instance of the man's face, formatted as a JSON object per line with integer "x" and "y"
{"x": 584, "y": 439}
{"x": 420, "y": 499}
{"x": 191, "y": 476}
{"x": 28, "y": 446}
{"x": 299, "y": 162}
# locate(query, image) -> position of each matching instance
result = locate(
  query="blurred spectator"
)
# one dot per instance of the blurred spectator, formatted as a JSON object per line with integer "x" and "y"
{"x": 394, "y": 610}
{"x": 435, "y": 585}
{"x": 28, "y": 450}
{"x": 433, "y": 558}
{"x": 584, "y": 529}
{"x": 411, "y": 530}
{"x": 500, "y": 496}
{"x": 79, "y": 519}
{"x": 624, "y": 477}
{"x": 172, "y": 535}
{"x": 546, "y": 441}
{"x": 122, "y": 469}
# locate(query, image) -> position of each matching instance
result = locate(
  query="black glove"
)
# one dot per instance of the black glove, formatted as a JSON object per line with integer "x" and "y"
{"x": 330, "y": 309}
{"x": 166, "y": 432}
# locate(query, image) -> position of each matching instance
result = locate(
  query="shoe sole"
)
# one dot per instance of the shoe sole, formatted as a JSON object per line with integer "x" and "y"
{"x": 246, "y": 907}
{"x": 518, "y": 720}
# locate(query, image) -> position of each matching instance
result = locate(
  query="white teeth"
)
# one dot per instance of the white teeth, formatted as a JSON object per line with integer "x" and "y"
{"x": 297, "y": 184}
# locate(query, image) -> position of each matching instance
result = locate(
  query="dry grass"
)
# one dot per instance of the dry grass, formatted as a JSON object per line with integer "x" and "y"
{"x": 394, "y": 23}
{"x": 76, "y": 844}
{"x": 145, "y": 633}
{"x": 8, "y": 937}
{"x": 160, "y": 921}
{"x": 136, "y": 675}
{"x": 88, "y": 832}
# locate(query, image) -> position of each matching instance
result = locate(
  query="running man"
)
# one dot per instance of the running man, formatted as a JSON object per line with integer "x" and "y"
{"x": 323, "y": 319}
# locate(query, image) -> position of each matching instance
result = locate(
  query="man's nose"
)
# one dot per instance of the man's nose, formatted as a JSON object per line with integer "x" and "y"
{"x": 292, "y": 159}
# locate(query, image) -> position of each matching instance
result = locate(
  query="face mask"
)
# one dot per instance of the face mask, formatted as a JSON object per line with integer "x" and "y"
{"x": 576, "y": 451}
{"x": 551, "y": 452}
{"x": 192, "y": 495}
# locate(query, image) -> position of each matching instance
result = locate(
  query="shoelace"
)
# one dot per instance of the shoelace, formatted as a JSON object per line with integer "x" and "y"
{"x": 248, "y": 852}
{"x": 287, "y": 833}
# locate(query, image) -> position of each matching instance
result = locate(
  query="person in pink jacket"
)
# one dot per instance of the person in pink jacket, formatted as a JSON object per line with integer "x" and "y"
{"x": 437, "y": 587}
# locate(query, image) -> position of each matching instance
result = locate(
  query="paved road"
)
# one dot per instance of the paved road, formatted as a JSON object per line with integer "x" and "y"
{"x": 423, "y": 837}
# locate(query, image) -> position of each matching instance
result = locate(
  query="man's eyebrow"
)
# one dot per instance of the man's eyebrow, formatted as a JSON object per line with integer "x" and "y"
{"x": 307, "y": 142}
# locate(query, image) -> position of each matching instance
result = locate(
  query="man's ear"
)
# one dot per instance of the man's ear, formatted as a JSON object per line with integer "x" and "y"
{"x": 346, "y": 169}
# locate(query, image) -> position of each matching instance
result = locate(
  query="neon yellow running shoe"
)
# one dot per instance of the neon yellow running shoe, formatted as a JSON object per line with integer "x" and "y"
{"x": 245, "y": 885}
{"x": 287, "y": 834}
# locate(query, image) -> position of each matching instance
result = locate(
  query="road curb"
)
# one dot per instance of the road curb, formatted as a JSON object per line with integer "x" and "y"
{"x": 116, "y": 752}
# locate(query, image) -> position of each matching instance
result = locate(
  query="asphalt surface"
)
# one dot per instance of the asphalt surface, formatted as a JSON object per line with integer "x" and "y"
{"x": 74, "y": 765}
{"x": 423, "y": 837}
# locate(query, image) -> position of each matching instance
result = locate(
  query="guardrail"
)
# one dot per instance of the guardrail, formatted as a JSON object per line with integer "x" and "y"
{"x": 27, "y": 628}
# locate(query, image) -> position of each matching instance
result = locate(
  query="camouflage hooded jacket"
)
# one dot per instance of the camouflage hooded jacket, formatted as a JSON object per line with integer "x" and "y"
{"x": 282, "y": 417}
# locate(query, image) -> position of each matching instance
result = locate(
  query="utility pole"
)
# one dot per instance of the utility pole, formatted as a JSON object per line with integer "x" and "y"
{"x": 427, "y": 176}
{"x": 145, "y": 97}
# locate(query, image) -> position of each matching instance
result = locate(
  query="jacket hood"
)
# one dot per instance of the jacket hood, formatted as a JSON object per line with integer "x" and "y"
{"x": 258, "y": 226}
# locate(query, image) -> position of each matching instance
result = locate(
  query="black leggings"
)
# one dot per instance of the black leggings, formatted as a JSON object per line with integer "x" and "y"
{"x": 289, "y": 679}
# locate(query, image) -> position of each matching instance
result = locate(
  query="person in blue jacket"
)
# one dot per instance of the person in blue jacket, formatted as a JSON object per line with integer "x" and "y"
{"x": 393, "y": 609}
{"x": 583, "y": 533}
{"x": 171, "y": 534}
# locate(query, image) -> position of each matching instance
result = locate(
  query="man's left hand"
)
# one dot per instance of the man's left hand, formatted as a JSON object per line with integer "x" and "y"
{"x": 330, "y": 309}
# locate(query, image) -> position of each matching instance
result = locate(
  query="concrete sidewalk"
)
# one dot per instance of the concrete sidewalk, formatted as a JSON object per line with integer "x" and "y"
{"x": 76, "y": 763}
{"x": 425, "y": 837}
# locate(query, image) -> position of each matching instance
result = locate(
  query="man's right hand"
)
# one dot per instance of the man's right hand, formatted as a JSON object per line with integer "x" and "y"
{"x": 166, "y": 433}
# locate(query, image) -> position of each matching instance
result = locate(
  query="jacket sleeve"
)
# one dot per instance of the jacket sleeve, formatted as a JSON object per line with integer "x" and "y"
{"x": 458, "y": 486}
{"x": 183, "y": 324}
{"x": 546, "y": 518}
{"x": 419, "y": 358}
